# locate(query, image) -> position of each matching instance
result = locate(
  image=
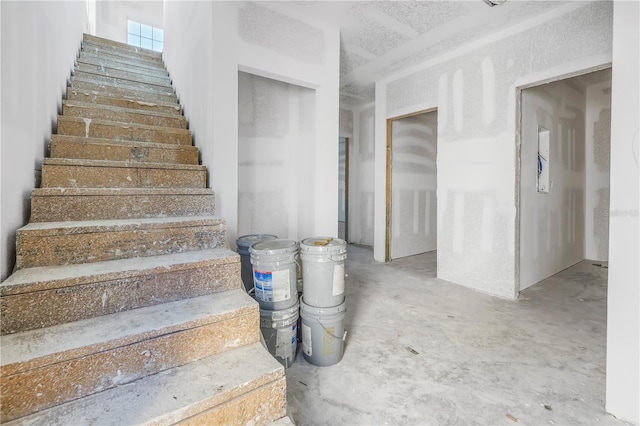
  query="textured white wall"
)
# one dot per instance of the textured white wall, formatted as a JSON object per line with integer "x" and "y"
{"x": 552, "y": 224}
{"x": 226, "y": 37}
{"x": 111, "y": 17}
{"x": 362, "y": 176}
{"x": 473, "y": 88}
{"x": 40, "y": 41}
{"x": 597, "y": 188}
{"x": 623, "y": 296}
{"x": 413, "y": 184}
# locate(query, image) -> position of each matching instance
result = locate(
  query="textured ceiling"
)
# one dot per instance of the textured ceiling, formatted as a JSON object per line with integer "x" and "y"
{"x": 382, "y": 37}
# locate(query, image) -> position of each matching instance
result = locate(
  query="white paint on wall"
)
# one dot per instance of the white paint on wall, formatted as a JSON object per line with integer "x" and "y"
{"x": 458, "y": 100}
{"x": 479, "y": 159}
{"x": 40, "y": 41}
{"x": 623, "y": 296}
{"x": 112, "y": 16}
{"x": 209, "y": 95}
{"x": 552, "y": 222}
{"x": 597, "y": 156}
{"x": 413, "y": 181}
{"x": 488, "y": 91}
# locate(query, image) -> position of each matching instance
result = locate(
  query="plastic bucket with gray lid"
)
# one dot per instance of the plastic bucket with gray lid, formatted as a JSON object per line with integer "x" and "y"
{"x": 243, "y": 244}
{"x": 323, "y": 271}
{"x": 280, "y": 333}
{"x": 323, "y": 333}
{"x": 275, "y": 273}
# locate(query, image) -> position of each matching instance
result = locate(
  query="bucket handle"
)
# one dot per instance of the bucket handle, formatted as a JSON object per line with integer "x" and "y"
{"x": 343, "y": 338}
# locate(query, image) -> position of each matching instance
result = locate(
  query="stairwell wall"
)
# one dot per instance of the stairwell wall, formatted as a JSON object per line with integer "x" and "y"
{"x": 40, "y": 41}
{"x": 207, "y": 44}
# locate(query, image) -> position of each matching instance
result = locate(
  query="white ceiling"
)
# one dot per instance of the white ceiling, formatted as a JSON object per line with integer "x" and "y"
{"x": 381, "y": 37}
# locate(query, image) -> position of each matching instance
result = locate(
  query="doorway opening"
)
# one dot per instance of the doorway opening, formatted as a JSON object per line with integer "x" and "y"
{"x": 563, "y": 197}
{"x": 411, "y": 202}
{"x": 343, "y": 188}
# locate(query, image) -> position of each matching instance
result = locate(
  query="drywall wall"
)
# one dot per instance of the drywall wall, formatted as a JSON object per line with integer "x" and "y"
{"x": 206, "y": 44}
{"x": 474, "y": 89}
{"x": 623, "y": 313}
{"x": 413, "y": 184}
{"x": 597, "y": 158}
{"x": 552, "y": 223}
{"x": 342, "y": 175}
{"x": 40, "y": 41}
{"x": 112, "y": 16}
{"x": 276, "y": 133}
{"x": 361, "y": 176}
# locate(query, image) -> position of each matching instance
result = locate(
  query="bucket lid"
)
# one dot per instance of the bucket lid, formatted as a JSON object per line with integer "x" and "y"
{"x": 314, "y": 311}
{"x": 247, "y": 240}
{"x": 274, "y": 247}
{"x": 323, "y": 244}
{"x": 281, "y": 314}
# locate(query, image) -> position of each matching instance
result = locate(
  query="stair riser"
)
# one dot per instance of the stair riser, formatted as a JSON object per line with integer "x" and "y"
{"x": 91, "y": 129}
{"x": 34, "y": 390}
{"x": 122, "y": 102}
{"x": 258, "y": 407}
{"x": 123, "y": 83}
{"x": 123, "y": 152}
{"x": 81, "y": 207}
{"x": 178, "y": 122}
{"x": 82, "y": 85}
{"x": 56, "y": 176}
{"x": 48, "y": 250}
{"x": 124, "y": 65}
{"x": 39, "y": 309}
{"x": 118, "y": 73}
{"x": 99, "y": 50}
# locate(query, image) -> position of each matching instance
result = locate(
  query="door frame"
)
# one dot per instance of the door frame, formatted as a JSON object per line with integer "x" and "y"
{"x": 389, "y": 155}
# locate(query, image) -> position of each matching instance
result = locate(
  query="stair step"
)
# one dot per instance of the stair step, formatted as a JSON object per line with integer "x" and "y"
{"x": 122, "y": 64}
{"x": 242, "y": 386}
{"x": 64, "y": 146}
{"x": 70, "y": 173}
{"x": 122, "y": 115}
{"x": 45, "y": 296}
{"x": 124, "y": 74}
{"x": 101, "y": 50}
{"x": 120, "y": 47}
{"x": 104, "y": 98}
{"x": 64, "y": 243}
{"x": 91, "y": 128}
{"x": 123, "y": 83}
{"x": 81, "y": 84}
{"x": 76, "y": 204}
{"x": 46, "y": 367}
{"x": 110, "y": 55}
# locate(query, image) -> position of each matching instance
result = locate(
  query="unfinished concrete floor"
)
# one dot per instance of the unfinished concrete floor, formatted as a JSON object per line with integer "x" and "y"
{"x": 424, "y": 351}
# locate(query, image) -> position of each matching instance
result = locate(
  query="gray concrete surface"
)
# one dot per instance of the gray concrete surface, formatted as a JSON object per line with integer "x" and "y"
{"x": 425, "y": 351}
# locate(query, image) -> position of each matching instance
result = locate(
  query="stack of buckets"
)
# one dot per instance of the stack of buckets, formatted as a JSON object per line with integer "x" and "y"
{"x": 274, "y": 279}
{"x": 322, "y": 306}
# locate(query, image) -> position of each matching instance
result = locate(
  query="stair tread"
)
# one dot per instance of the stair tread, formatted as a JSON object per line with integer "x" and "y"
{"x": 110, "y": 163}
{"x": 159, "y": 89}
{"x": 131, "y": 99}
{"x": 106, "y": 141}
{"x": 35, "y": 348}
{"x": 91, "y": 59}
{"x": 119, "y": 45}
{"x": 161, "y": 86}
{"x": 80, "y": 104}
{"x": 171, "y": 395}
{"x": 106, "y": 225}
{"x": 136, "y": 91}
{"x": 51, "y": 277}
{"x": 106, "y": 70}
{"x": 125, "y": 125}
{"x": 56, "y": 192}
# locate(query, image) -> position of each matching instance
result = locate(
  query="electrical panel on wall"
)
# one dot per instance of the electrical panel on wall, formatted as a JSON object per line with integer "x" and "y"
{"x": 543, "y": 160}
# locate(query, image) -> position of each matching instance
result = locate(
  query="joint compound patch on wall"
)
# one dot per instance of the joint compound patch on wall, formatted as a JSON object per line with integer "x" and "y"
{"x": 601, "y": 223}
{"x": 602, "y": 140}
{"x": 280, "y": 33}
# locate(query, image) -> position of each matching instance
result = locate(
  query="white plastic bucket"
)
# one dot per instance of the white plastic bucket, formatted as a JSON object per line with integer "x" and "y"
{"x": 323, "y": 271}
{"x": 280, "y": 333}
{"x": 274, "y": 273}
{"x": 323, "y": 333}
{"x": 243, "y": 243}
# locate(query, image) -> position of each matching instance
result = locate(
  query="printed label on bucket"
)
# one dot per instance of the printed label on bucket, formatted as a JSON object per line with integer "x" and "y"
{"x": 286, "y": 341}
{"x": 306, "y": 340}
{"x": 338, "y": 280}
{"x": 272, "y": 286}
{"x": 328, "y": 347}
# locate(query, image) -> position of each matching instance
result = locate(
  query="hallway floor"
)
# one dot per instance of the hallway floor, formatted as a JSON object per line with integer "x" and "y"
{"x": 424, "y": 351}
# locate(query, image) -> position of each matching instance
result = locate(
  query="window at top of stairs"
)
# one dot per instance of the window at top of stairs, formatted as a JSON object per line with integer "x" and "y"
{"x": 144, "y": 36}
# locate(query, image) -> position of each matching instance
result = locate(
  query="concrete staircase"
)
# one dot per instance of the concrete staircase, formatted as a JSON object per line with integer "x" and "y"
{"x": 126, "y": 306}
